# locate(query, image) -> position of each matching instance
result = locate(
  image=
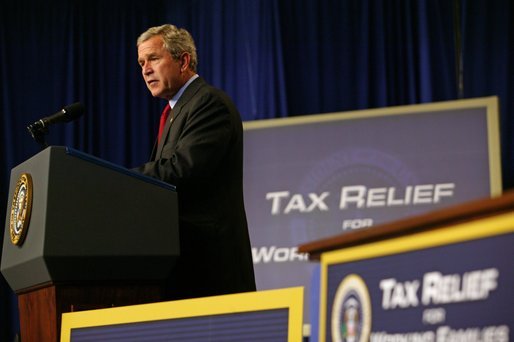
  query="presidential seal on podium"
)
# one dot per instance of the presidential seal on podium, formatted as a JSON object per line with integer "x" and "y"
{"x": 20, "y": 209}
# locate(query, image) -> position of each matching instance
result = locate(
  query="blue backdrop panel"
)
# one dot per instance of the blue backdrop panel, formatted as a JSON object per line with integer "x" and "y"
{"x": 311, "y": 179}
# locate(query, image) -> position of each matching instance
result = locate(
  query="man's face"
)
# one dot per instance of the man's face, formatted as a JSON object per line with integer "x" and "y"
{"x": 162, "y": 74}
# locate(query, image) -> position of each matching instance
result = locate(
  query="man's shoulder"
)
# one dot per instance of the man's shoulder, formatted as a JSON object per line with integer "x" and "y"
{"x": 203, "y": 94}
{"x": 197, "y": 87}
{"x": 202, "y": 89}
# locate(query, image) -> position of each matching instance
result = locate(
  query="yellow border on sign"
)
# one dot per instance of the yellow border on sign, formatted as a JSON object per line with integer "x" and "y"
{"x": 490, "y": 103}
{"x": 474, "y": 230}
{"x": 493, "y": 134}
{"x": 290, "y": 298}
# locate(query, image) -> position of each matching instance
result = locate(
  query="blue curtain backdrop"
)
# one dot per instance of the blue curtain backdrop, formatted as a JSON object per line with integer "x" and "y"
{"x": 274, "y": 58}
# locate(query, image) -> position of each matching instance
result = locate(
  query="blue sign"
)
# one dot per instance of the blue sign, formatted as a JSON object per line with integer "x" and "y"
{"x": 461, "y": 291}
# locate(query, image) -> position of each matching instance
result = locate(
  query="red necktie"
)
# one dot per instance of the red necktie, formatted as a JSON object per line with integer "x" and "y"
{"x": 162, "y": 123}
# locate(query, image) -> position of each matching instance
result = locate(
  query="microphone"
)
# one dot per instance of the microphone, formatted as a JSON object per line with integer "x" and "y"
{"x": 67, "y": 114}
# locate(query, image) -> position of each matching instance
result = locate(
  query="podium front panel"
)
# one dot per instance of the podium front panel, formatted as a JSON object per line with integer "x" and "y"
{"x": 90, "y": 222}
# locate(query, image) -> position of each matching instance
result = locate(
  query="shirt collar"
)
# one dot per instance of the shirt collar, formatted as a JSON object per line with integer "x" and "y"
{"x": 177, "y": 96}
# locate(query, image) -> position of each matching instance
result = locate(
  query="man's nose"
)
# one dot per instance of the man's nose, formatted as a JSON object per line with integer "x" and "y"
{"x": 147, "y": 69}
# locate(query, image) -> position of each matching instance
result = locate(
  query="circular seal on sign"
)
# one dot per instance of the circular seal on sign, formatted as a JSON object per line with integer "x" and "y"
{"x": 20, "y": 209}
{"x": 351, "y": 311}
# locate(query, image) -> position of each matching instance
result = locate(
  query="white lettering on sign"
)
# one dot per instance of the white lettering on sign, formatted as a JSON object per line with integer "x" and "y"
{"x": 434, "y": 316}
{"x": 270, "y": 254}
{"x": 399, "y": 294}
{"x": 498, "y": 333}
{"x": 284, "y": 203}
{"x": 453, "y": 288}
{"x": 361, "y": 196}
{"x": 357, "y": 223}
{"x": 438, "y": 288}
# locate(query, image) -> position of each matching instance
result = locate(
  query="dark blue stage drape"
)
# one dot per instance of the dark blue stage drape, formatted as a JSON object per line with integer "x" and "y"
{"x": 274, "y": 58}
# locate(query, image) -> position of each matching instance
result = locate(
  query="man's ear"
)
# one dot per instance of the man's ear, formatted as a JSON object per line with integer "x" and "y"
{"x": 185, "y": 59}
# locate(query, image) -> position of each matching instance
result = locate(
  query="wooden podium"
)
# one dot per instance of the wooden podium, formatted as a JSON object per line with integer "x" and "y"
{"x": 82, "y": 233}
{"x": 465, "y": 212}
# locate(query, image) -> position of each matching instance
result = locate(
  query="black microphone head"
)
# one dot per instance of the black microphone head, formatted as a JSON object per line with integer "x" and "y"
{"x": 73, "y": 111}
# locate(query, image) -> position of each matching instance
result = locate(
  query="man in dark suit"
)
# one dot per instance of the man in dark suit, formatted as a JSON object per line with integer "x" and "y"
{"x": 200, "y": 151}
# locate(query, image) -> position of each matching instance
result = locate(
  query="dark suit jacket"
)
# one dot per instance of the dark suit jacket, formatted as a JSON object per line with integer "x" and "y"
{"x": 201, "y": 153}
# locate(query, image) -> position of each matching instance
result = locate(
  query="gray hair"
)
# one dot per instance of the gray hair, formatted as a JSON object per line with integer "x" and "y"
{"x": 176, "y": 41}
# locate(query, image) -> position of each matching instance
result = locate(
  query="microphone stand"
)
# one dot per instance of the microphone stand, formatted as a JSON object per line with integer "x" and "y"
{"x": 38, "y": 133}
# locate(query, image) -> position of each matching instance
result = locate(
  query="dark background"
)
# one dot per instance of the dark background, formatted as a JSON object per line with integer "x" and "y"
{"x": 275, "y": 58}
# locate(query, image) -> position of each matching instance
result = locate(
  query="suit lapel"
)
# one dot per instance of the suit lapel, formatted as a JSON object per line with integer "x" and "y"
{"x": 177, "y": 109}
